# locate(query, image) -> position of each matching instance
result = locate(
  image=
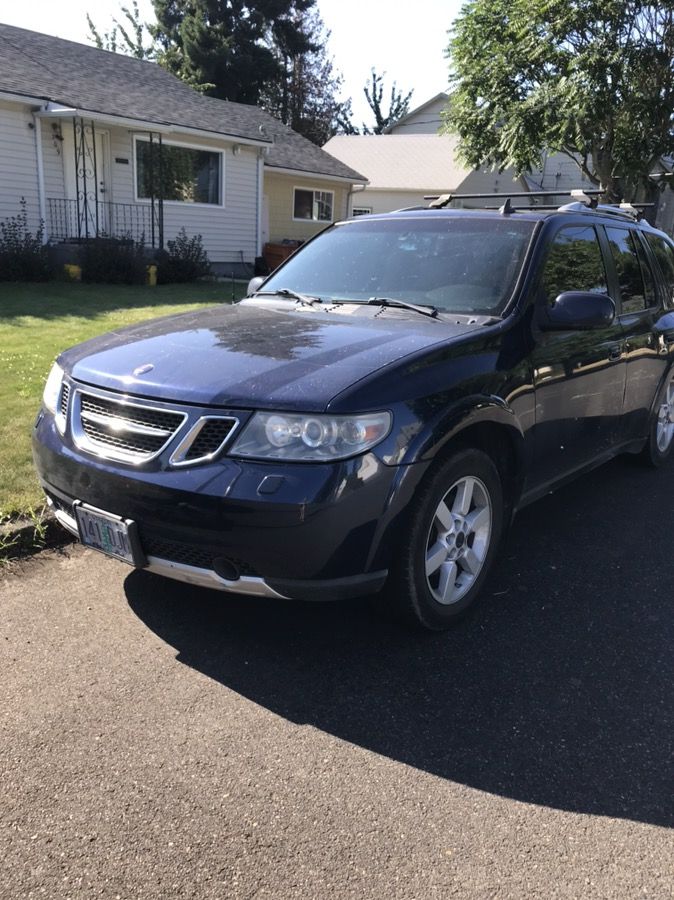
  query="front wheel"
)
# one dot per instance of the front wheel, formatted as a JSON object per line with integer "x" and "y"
{"x": 452, "y": 537}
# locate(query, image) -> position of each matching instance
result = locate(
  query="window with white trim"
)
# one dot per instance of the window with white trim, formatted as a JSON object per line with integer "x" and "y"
{"x": 178, "y": 173}
{"x": 313, "y": 206}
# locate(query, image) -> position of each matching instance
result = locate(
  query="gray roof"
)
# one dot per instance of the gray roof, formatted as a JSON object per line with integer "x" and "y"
{"x": 403, "y": 162}
{"x": 111, "y": 84}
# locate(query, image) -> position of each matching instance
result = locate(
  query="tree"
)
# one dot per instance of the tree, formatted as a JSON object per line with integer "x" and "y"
{"x": 589, "y": 78}
{"x": 222, "y": 46}
{"x": 305, "y": 97}
{"x": 398, "y": 106}
{"x": 128, "y": 37}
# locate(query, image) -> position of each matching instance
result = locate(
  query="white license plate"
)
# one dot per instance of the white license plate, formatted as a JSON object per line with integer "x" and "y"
{"x": 108, "y": 533}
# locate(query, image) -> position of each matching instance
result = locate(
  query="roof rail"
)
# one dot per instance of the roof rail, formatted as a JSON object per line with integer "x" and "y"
{"x": 438, "y": 201}
{"x": 583, "y": 199}
{"x": 632, "y": 211}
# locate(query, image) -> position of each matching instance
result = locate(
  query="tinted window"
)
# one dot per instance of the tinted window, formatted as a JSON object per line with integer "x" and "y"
{"x": 574, "y": 263}
{"x": 665, "y": 257}
{"x": 633, "y": 294}
{"x": 458, "y": 264}
{"x": 646, "y": 272}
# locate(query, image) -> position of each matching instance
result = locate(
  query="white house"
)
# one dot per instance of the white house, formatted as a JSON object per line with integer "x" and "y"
{"x": 412, "y": 160}
{"x": 402, "y": 169}
{"x": 100, "y": 143}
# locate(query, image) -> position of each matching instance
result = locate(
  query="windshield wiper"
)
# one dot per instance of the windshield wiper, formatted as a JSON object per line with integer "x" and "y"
{"x": 402, "y": 304}
{"x": 291, "y": 295}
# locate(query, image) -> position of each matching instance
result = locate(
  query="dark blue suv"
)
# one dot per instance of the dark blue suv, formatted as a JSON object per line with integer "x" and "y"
{"x": 370, "y": 418}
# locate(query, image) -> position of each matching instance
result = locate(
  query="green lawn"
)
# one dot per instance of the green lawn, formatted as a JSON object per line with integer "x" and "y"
{"x": 37, "y": 321}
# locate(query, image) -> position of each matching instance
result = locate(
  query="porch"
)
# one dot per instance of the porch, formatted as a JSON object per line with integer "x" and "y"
{"x": 78, "y": 205}
{"x": 69, "y": 221}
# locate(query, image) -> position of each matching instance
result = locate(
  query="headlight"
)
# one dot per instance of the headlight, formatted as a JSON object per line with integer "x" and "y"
{"x": 310, "y": 438}
{"x": 52, "y": 388}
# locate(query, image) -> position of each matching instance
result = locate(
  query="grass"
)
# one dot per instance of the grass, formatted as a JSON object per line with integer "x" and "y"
{"x": 37, "y": 321}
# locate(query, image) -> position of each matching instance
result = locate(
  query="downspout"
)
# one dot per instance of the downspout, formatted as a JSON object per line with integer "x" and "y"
{"x": 42, "y": 203}
{"x": 349, "y": 198}
{"x": 260, "y": 195}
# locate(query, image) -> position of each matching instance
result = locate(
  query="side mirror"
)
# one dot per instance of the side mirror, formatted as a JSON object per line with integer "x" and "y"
{"x": 578, "y": 311}
{"x": 255, "y": 284}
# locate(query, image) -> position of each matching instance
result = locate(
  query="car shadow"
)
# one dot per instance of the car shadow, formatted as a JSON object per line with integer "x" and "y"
{"x": 557, "y": 691}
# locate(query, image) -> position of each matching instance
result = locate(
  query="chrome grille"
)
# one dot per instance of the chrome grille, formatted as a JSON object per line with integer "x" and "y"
{"x": 204, "y": 441}
{"x": 133, "y": 415}
{"x": 65, "y": 394}
{"x": 123, "y": 430}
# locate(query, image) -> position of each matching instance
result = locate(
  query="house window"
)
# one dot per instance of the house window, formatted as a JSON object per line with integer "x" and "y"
{"x": 315, "y": 206}
{"x": 181, "y": 174}
{"x": 362, "y": 211}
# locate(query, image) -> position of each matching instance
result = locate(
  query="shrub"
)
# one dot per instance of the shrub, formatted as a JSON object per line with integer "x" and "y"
{"x": 23, "y": 255}
{"x": 108, "y": 260}
{"x": 185, "y": 260}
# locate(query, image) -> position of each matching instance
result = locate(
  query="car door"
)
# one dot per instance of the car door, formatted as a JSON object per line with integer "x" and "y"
{"x": 579, "y": 376}
{"x": 633, "y": 287}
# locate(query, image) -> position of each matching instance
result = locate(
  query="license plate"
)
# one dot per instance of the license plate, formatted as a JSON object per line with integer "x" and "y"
{"x": 109, "y": 534}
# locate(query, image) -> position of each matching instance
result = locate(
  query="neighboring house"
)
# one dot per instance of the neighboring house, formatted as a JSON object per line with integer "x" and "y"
{"x": 403, "y": 169}
{"x": 412, "y": 160}
{"x": 104, "y": 144}
{"x": 424, "y": 119}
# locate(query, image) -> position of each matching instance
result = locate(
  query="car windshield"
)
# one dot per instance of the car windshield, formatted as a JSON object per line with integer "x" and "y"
{"x": 457, "y": 264}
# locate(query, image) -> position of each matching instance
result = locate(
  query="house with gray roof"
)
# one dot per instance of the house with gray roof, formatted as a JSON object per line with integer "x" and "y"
{"x": 98, "y": 143}
{"x": 411, "y": 159}
{"x": 403, "y": 169}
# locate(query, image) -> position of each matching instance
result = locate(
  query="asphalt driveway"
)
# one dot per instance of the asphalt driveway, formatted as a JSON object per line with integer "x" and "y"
{"x": 163, "y": 741}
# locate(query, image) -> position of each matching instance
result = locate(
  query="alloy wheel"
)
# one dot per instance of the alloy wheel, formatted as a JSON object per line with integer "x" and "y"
{"x": 458, "y": 539}
{"x": 665, "y": 426}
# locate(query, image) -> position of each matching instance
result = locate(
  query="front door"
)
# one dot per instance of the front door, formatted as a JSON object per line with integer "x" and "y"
{"x": 85, "y": 163}
{"x": 635, "y": 294}
{"x": 579, "y": 376}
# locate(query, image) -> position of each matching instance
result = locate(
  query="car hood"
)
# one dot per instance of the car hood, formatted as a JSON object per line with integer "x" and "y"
{"x": 255, "y": 354}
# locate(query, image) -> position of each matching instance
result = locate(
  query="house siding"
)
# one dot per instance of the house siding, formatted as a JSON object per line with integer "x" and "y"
{"x": 279, "y": 190}
{"x": 478, "y": 182}
{"x": 228, "y": 231}
{"x": 52, "y": 157}
{"x": 387, "y": 201}
{"x": 18, "y": 163}
{"x": 425, "y": 121}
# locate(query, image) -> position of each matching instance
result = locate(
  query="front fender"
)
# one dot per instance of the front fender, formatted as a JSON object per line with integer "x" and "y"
{"x": 450, "y": 423}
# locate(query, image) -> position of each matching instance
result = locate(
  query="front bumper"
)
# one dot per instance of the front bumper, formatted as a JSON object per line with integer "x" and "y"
{"x": 311, "y": 531}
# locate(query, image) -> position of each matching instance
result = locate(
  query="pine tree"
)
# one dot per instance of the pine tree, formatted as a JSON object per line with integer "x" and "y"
{"x": 305, "y": 97}
{"x": 222, "y": 46}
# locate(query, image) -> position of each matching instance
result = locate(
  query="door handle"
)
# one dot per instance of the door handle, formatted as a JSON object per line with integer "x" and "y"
{"x": 615, "y": 352}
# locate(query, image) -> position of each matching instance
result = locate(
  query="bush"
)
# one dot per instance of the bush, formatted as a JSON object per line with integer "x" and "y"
{"x": 108, "y": 260}
{"x": 23, "y": 256}
{"x": 185, "y": 260}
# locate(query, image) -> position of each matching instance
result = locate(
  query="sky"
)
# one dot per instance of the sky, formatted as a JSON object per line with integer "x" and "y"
{"x": 406, "y": 41}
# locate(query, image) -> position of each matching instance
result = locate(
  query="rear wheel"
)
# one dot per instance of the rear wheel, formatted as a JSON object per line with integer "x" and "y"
{"x": 661, "y": 432}
{"x": 453, "y": 534}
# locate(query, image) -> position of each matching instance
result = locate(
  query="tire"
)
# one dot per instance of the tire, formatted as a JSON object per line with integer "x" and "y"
{"x": 661, "y": 427}
{"x": 452, "y": 537}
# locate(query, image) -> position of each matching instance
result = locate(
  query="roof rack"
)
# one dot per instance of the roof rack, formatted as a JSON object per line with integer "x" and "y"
{"x": 438, "y": 201}
{"x": 582, "y": 200}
